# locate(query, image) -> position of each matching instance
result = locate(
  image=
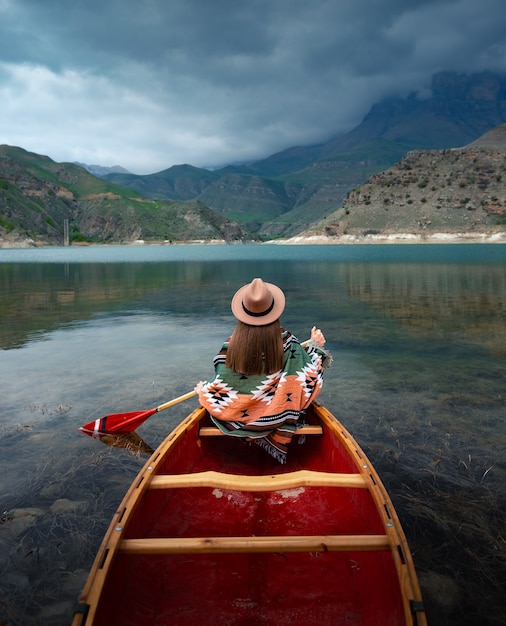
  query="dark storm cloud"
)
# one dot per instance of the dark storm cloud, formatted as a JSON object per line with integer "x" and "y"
{"x": 150, "y": 83}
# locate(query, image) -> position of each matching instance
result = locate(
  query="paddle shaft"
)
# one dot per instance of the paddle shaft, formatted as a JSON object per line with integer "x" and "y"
{"x": 182, "y": 398}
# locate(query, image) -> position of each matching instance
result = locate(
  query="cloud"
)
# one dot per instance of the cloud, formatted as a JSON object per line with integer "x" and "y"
{"x": 148, "y": 83}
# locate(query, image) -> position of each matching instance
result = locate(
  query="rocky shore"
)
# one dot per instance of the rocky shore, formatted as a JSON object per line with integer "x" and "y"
{"x": 382, "y": 238}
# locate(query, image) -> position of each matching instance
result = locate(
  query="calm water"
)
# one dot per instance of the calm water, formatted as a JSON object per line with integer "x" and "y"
{"x": 418, "y": 335}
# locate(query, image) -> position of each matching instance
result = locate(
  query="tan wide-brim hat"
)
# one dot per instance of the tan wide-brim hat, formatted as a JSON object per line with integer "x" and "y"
{"x": 258, "y": 303}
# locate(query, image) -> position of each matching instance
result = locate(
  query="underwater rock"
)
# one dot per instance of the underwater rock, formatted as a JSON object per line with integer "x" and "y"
{"x": 63, "y": 505}
{"x": 17, "y": 521}
{"x": 441, "y": 592}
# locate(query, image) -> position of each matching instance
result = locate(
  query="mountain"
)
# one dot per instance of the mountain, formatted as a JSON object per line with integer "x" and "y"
{"x": 460, "y": 190}
{"x": 37, "y": 195}
{"x": 284, "y": 193}
{"x": 180, "y": 182}
{"x": 495, "y": 138}
{"x": 100, "y": 170}
{"x": 280, "y": 196}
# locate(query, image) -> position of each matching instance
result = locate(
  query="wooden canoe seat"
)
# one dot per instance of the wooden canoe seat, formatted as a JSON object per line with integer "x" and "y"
{"x": 214, "y": 431}
{"x": 274, "y": 482}
{"x": 209, "y": 545}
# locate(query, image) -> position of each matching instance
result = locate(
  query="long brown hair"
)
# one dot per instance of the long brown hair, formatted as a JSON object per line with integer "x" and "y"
{"x": 255, "y": 349}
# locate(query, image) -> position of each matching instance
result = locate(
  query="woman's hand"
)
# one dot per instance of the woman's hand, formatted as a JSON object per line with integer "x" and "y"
{"x": 317, "y": 337}
{"x": 198, "y": 387}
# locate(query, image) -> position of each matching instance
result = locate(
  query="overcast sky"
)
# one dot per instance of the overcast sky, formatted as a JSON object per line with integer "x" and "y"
{"x": 147, "y": 84}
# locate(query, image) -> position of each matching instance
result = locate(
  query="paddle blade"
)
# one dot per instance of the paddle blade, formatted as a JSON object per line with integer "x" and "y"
{"x": 117, "y": 422}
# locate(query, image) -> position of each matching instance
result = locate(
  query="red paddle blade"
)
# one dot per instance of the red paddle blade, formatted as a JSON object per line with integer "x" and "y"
{"x": 117, "y": 422}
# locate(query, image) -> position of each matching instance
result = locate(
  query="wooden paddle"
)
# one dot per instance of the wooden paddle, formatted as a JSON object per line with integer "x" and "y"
{"x": 127, "y": 422}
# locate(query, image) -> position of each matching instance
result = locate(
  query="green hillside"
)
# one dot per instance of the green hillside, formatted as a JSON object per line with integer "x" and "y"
{"x": 37, "y": 195}
{"x": 180, "y": 182}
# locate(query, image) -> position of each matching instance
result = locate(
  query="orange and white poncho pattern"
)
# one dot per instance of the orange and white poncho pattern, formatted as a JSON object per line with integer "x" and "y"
{"x": 265, "y": 408}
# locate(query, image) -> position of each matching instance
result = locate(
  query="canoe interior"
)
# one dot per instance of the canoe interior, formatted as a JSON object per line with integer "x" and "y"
{"x": 297, "y": 588}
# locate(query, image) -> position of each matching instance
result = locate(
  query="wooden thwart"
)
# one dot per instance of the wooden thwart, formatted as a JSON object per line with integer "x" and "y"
{"x": 276, "y": 482}
{"x": 208, "y": 545}
{"x": 213, "y": 431}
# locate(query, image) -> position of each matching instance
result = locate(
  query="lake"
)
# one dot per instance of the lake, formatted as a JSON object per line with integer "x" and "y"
{"x": 418, "y": 336}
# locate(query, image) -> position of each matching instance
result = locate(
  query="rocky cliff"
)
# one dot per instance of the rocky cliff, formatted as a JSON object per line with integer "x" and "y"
{"x": 444, "y": 191}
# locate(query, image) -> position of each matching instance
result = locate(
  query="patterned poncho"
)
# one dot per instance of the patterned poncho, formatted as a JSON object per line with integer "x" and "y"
{"x": 265, "y": 408}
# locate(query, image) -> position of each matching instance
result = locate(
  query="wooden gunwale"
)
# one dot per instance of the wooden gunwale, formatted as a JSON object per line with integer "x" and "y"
{"x": 398, "y": 542}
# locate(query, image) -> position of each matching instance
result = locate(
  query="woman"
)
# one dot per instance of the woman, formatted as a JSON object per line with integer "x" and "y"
{"x": 264, "y": 378}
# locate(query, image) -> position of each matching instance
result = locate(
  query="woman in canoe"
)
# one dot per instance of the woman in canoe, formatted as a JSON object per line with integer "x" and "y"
{"x": 264, "y": 378}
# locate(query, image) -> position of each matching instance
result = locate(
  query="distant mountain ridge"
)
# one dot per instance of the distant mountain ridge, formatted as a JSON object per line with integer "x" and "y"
{"x": 100, "y": 170}
{"x": 286, "y": 192}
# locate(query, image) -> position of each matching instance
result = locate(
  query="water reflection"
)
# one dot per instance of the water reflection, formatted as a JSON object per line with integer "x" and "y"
{"x": 131, "y": 442}
{"x": 465, "y": 302}
{"x": 38, "y": 298}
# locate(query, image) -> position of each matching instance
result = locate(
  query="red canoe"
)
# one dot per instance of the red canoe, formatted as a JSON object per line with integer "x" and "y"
{"x": 213, "y": 531}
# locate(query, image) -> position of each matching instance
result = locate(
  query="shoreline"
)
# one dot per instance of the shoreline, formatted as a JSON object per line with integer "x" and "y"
{"x": 395, "y": 238}
{"x": 497, "y": 237}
